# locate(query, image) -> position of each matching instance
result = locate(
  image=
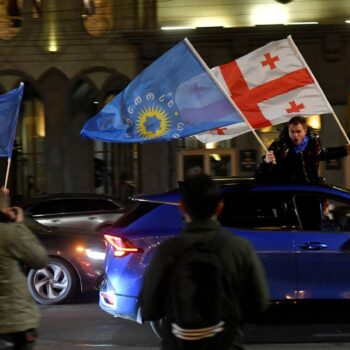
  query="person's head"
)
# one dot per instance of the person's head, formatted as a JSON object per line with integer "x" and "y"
{"x": 200, "y": 197}
{"x": 297, "y": 129}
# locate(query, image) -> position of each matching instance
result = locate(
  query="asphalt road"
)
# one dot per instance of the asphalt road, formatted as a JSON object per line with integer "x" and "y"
{"x": 82, "y": 325}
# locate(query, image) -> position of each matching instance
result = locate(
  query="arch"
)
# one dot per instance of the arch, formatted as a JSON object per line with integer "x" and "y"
{"x": 22, "y": 76}
{"x": 78, "y": 79}
{"x": 29, "y": 166}
{"x": 52, "y": 72}
{"x": 113, "y": 85}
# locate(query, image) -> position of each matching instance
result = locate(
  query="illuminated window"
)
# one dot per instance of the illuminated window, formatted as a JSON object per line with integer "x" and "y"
{"x": 36, "y": 8}
{"x": 97, "y": 16}
{"x": 10, "y": 18}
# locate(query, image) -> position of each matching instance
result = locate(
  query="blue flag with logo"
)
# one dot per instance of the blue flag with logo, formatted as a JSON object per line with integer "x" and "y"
{"x": 173, "y": 97}
{"x": 10, "y": 103}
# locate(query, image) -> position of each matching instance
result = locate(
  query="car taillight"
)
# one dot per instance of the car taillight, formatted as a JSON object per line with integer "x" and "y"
{"x": 121, "y": 246}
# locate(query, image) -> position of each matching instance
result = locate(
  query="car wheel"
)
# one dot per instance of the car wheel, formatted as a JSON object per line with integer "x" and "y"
{"x": 157, "y": 327}
{"x": 53, "y": 284}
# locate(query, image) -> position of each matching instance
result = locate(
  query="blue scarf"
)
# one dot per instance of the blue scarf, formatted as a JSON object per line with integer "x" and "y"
{"x": 301, "y": 147}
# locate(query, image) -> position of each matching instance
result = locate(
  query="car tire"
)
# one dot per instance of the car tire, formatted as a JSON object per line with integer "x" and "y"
{"x": 56, "y": 283}
{"x": 157, "y": 327}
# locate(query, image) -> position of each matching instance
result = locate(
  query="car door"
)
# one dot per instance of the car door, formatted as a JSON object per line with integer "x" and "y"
{"x": 79, "y": 213}
{"x": 48, "y": 212}
{"x": 323, "y": 248}
{"x": 268, "y": 220}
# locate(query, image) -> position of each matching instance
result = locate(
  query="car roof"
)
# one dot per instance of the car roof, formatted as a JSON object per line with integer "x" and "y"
{"x": 75, "y": 195}
{"x": 55, "y": 196}
{"x": 244, "y": 184}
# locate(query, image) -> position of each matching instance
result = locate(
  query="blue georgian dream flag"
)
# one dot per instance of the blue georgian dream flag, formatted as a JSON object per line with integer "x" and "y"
{"x": 10, "y": 103}
{"x": 173, "y": 97}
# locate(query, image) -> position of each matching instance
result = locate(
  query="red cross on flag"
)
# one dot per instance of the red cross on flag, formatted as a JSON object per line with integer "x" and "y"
{"x": 269, "y": 86}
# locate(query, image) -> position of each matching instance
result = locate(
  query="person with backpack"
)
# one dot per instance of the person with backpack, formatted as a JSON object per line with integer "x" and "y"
{"x": 203, "y": 283}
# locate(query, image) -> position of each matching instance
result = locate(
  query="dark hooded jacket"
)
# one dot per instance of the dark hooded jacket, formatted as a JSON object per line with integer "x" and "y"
{"x": 244, "y": 270}
{"x": 292, "y": 167}
{"x": 18, "y": 247}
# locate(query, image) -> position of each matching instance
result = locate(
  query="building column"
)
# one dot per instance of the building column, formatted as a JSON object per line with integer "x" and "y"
{"x": 150, "y": 19}
{"x": 157, "y": 167}
{"x": 53, "y": 86}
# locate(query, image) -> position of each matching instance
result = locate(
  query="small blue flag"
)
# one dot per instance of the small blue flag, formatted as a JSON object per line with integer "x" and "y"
{"x": 173, "y": 97}
{"x": 9, "y": 109}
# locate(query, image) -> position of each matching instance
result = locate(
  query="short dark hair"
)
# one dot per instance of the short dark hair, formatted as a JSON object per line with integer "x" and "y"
{"x": 200, "y": 196}
{"x": 298, "y": 120}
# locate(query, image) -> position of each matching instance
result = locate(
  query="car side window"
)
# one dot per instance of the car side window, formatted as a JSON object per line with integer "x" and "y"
{"x": 47, "y": 207}
{"x": 103, "y": 205}
{"x": 259, "y": 210}
{"x": 323, "y": 213}
{"x": 75, "y": 205}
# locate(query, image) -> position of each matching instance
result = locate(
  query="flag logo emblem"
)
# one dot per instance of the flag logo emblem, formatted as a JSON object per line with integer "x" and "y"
{"x": 153, "y": 122}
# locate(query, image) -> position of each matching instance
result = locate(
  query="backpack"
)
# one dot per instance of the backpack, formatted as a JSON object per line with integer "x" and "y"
{"x": 201, "y": 300}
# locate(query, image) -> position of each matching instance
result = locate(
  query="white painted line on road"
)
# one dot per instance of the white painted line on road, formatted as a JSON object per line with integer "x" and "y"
{"x": 323, "y": 335}
{"x": 95, "y": 345}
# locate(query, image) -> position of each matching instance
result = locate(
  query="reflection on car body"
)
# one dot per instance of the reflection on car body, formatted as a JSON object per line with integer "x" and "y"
{"x": 75, "y": 263}
{"x": 283, "y": 222}
{"x": 86, "y": 211}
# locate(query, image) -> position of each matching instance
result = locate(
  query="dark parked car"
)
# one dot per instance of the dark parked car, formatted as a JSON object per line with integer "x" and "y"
{"x": 305, "y": 254}
{"x": 75, "y": 263}
{"x": 91, "y": 212}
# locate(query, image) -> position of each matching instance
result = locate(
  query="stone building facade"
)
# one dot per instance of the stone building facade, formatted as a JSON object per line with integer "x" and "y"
{"x": 72, "y": 63}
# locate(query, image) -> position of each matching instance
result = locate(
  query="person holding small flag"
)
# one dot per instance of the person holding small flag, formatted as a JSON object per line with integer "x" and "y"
{"x": 295, "y": 157}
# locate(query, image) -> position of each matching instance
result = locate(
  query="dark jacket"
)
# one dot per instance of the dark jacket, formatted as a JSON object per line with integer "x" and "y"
{"x": 292, "y": 167}
{"x": 238, "y": 257}
{"x": 18, "y": 247}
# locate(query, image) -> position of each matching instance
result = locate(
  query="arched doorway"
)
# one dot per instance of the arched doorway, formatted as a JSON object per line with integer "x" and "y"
{"x": 28, "y": 165}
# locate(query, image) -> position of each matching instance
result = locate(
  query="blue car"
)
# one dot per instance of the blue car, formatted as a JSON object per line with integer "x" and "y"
{"x": 301, "y": 233}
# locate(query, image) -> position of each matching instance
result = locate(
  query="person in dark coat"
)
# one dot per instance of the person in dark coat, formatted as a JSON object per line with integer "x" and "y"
{"x": 200, "y": 205}
{"x": 295, "y": 157}
{"x": 19, "y": 247}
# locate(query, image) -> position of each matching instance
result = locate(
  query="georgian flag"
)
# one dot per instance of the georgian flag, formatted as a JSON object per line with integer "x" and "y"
{"x": 269, "y": 86}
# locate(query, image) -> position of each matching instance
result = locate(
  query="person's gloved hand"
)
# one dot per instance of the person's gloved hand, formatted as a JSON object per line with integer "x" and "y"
{"x": 270, "y": 157}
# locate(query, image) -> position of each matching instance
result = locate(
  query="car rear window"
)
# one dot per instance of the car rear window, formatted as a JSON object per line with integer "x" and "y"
{"x": 140, "y": 209}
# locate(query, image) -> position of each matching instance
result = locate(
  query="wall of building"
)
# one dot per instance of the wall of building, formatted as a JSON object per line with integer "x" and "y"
{"x": 84, "y": 69}
{"x": 325, "y": 49}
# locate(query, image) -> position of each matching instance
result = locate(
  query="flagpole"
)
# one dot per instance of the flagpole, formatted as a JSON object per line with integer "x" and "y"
{"x": 296, "y": 50}
{"x": 7, "y": 173}
{"x": 233, "y": 104}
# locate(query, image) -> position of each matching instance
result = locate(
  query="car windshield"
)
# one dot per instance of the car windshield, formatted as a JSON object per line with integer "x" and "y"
{"x": 140, "y": 209}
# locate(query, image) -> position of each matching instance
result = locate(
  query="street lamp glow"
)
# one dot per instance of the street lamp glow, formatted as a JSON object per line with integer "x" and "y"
{"x": 177, "y": 28}
{"x": 269, "y": 14}
{"x": 205, "y": 22}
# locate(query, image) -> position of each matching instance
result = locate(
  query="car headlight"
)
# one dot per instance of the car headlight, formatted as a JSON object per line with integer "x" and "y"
{"x": 95, "y": 254}
{"x": 92, "y": 253}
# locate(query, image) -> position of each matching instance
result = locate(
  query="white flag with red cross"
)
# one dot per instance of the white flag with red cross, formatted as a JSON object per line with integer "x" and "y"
{"x": 269, "y": 86}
